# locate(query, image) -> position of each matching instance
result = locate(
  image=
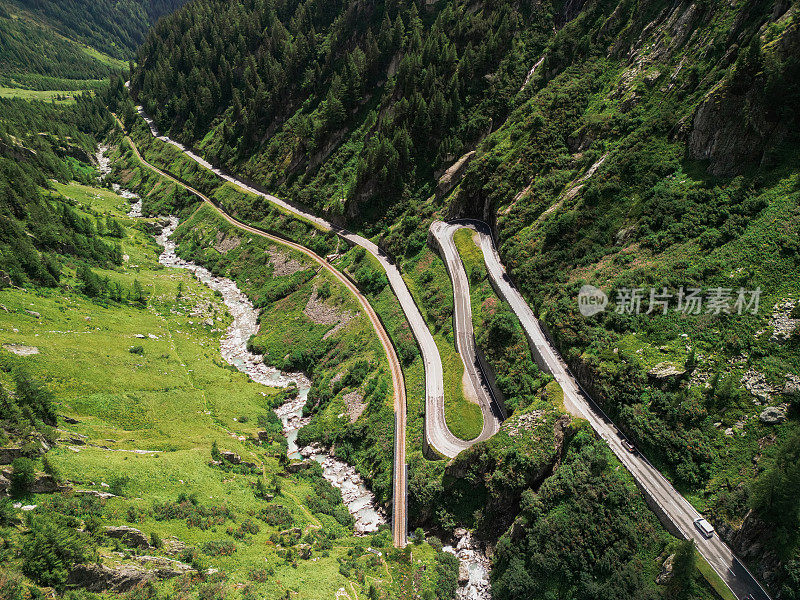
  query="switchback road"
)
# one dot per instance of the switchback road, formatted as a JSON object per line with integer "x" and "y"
{"x": 437, "y": 434}
{"x": 463, "y": 331}
{"x": 399, "y": 507}
{"x": 674, "y": 507}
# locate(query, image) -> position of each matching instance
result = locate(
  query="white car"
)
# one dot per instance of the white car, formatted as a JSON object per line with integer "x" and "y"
{"x": 704, "y": 527}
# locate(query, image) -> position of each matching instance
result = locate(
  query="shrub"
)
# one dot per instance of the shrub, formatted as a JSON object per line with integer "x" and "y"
{"x": 51, "y": 548}
{"x": 261, "y": 575}
{"x": 219, "y": 548}
{"x": 11, "y": 587}
{"x": 136, "y": 350}
{"x": 419, "y": 536}
{"x": 215, "y": 453}
{"x": 155, "y": 540}
{"x": 8, "y": 513}
{"x": 23, "y": 475}
{"x": 795, "y": 314}
{"x": 50, "y": 468}
{"x": 33, "y": 395}
{"x": 119, "y": 484}
{"x": 276, "y": 515}
{"x": 212, "y": 591}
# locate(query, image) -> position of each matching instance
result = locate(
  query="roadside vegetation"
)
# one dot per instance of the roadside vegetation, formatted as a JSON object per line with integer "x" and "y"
{"x": 141, "y": 433}
{"x": 430, "y": 286}
{"x": 498, "y": 332}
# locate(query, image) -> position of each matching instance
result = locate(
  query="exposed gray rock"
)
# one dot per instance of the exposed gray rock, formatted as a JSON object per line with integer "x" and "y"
{"x": 7, "y": 455}
{"x": 453, "y": 175}
{"x": 129, "y": 536}
{"x": 665, "y": 576}
{"x": 297, "y": 466}
{"x": 782, "y": 323}
{"x": 99, "y": 578}
{"x": 231, "y": 457}
{"x": 773, "y": 415}
{"x": 21, "y": 349}
{"x": 755, "y": 383}
{"x": 95, "y": 493}
{"x": 791, "y": 386}
{"x": 355, "y": 404}
{"x": 174, "y": 546}
{"x": 226, "y": 243}
{"x": 283, "y": 265}
{"x": 46, "y": 484}
{"x": 665, "y": 371}
{"x": 164, "y": 567}
{"x": 463, "y": 574}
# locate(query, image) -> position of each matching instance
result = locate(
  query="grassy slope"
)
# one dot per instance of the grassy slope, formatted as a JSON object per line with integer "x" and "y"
{"x": 513, "y": 355}
{"x": 39, "y": 58}
{"x": 290, "y": 339}
{"x": 430, "y": 286}
{"x": 651, "y": 217}
{"x": 255, "y": 211}
{"x": 175, "y": 398}
{"x": 66, "y": 96}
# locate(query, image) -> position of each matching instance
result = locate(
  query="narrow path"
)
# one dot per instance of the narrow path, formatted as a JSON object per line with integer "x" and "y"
{"x": 676, "y": 509}
{"x": 464, "y": 334}
{"x": 398, "y": 383}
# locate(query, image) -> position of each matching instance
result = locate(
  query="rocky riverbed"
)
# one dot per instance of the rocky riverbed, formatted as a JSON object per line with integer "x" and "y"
{"x": 473, "y": 567}
{"x": 233, "y": 347}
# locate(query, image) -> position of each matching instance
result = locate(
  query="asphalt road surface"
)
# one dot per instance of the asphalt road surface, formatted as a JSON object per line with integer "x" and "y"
{"x": 437, "y": 433}
{"x": 463, "y": 332}
{"x": 676, "y": 508}
{"x": 399, "y": 508}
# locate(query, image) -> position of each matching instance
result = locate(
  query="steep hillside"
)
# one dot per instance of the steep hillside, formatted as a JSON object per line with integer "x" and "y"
{"x": 350, "y": 107}
{"x": 112, "y": 26}
{"x": 139, "y": 463}
{"x": 630, "y": 144}
{"x": 34, "y": 57}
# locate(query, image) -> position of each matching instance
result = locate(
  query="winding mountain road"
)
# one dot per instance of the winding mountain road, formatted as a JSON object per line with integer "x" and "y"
{"x": 399, "y": 508}
{"x": 674, "y": 508}
{"x": 437, "y": 434}
{"x": 463, "y": 332}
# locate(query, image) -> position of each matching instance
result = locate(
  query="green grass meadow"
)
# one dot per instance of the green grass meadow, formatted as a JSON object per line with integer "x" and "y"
{"x": 151, "y": 418}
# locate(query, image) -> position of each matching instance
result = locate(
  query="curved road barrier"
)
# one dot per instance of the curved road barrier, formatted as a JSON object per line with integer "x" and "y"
{"x": 400, "y": 503}
{"x": 669, "y": 505}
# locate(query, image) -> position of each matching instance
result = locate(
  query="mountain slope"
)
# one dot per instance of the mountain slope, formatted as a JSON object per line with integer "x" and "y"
{"x": 115, "y": 27}
{"x": 623, "y": 144}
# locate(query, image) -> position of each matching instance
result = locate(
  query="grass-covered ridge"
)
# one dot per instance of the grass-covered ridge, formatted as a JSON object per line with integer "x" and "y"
{"x": 36, "y": 57}
{"x": 430, "y": 286}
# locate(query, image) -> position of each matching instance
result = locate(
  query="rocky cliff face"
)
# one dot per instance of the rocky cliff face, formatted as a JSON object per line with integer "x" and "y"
{"x": 742, "y": 120}
{"x": 502, "y": 468}
{"x": 752, "y": 541}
